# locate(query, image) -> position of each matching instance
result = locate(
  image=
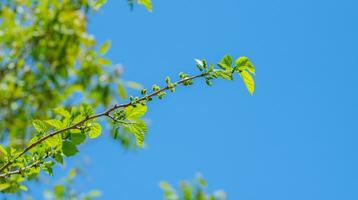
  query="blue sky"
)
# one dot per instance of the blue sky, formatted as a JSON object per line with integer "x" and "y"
{"x": 296, "y": 138}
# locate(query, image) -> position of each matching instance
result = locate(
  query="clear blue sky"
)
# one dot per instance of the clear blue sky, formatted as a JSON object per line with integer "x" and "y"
{"x": 295, "y": 139}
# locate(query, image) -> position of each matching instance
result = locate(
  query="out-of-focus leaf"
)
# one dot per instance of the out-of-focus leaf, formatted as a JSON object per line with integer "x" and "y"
{"x": 121, "y": 91}
{"x": 104, "y": 47}
{"x": 147, "y": 4}
{"x": 134, "y": 85}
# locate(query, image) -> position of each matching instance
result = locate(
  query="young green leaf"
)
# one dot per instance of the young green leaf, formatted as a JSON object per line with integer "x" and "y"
{"x": 139, "y": 129}
{"x": 243, "y": 63}
{"x": 249, "y": 81}
{"x": 224, "y": 74}
{"x": 54, "y": 142}
{"x": 86, "y": 109}
{"x": 39, "y": 125}
{"x": 57, "y": 124}
{"x": 225, "y": 62}
{"x": 62, "y": 111}
{"x": 47, "y": 167}
{"x": 95, "y": 131}
{"x": 133, "y": 113}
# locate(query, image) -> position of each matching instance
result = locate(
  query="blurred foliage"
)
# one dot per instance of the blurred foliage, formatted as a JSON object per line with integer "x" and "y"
{"x": 46, "y": 57}
{"x": 64, "y": 190}
{"x": 190, "y": 191}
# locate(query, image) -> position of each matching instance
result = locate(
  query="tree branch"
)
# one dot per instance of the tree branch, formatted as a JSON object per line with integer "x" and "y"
{"x": 105, "y": 113}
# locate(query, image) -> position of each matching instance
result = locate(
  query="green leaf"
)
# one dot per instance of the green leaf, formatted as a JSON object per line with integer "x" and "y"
{"x": 4, "y": 186}
{"x": 78, "y": 138}
{"x": 227, "y": 74}
{"x": 62, "y": 111}
{"x": 58, "y": 157}
{"x": 199, "y": 62}
{"x": 57, "y": 124}
{"x": 59, "y": 191}
{"x": 54, "y": 141}
{"x": 200, "y": 180}
{"x": 47, "y": 167}
{"x": 139, "y": 129}
{"x": 32, "y": 172}
{"x": 186, "y": 191}
{"x": 39, "y": 125}
{"x": 134, "y": 85}
{"x": 23, "y": 188}
{"x": 249, "y": 81}
{"x": 104, "y": 47}
{"x": 103, "y": 61}
{"x": 165, "y": 186}
{"x": 225, "y": 62}
{"x": 250, "y": 67}
{"x": 72, "y": 173}
{"x": 99, "y": 4}
{"x": 121, "y": 91}
{"x": 3, "y": 152}
{"x": 95, "y": 131}
{"x": 147, "y": 4}
{"x": 86, "y": 109}
{"x": 243, "y": 63}
{"x": 95, "y": 193}
{"x": 69, "y": 149}
{"x": 169, "y": 192}
{"x": 133, "y": 113}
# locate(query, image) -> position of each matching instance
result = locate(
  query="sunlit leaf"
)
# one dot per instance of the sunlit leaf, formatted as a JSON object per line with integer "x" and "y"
{"x": 4, "y": 186}
{"x": 57, "y": 124}
{"x": 133, "y": 113}
{"x": 147, "y": 4}
{"x": 225, "y": 62}
{"x": 86, "y": 109}
{"x": 243, "y": 63}
{"x": 55, "y": 141}
{"x": 249, "y": 81}
{"x": 227, "y": 74}
{"x": 62, "y": 111}
{"x": 95, "y": 131}
{"x": 39, "y": 125}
